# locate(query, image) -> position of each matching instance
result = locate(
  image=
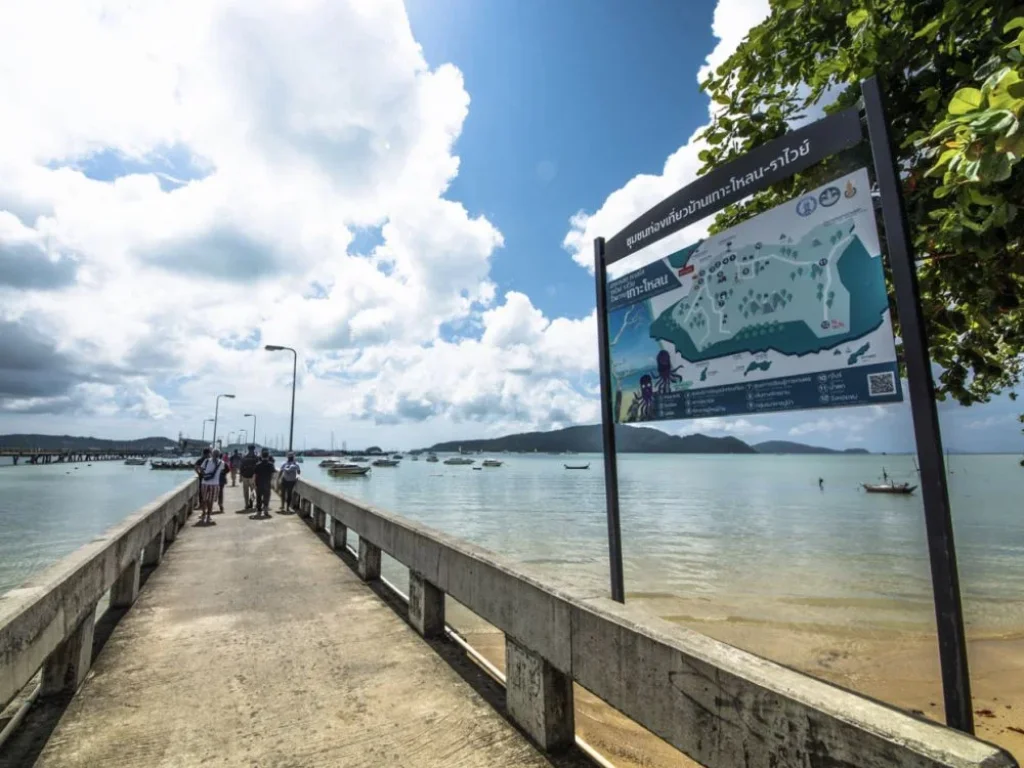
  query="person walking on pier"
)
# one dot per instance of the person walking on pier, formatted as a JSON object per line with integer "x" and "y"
{"x": 290, "y": 472}
{"x": 235, "y": 460}
{"x": 247, "y": 469}
{"x": 265, "y": 471}
{"x": 210, "y": 470}
{"x": 224, "y": 472}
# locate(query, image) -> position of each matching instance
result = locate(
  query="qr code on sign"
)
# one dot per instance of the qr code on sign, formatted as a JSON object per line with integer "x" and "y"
{"x": 880, "y": 384}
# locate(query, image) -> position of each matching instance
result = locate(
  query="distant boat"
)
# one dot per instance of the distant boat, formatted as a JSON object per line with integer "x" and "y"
{"x": 577, "y": 466}
{"x": 458, "y": 460}
{"x": 479, "y": 469}
{"x": 341, "y": 470}
{"x": 904, "y": 489}
{"x": 397, "y": 456}
{"x": 135, "y": 462}
{"x": 492, "y": 463}
{"x": 180, "y": 465}
{"x": 432, "y": 458}
{"x": 328, "y": 463}
{"x": 415, "y": 457}
{"x": 360, "y": 459}
{"x": 386, "y": 463}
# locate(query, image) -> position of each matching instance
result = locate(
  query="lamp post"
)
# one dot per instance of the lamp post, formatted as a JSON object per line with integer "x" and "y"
{"x": 230, "y": 439}
{"x": 216, "y": 415}
{"x": 295, "y": 366}
{"x": 253, "y": 425}
{"x": 203, "y": 438}
{"x": 245, "y": 440}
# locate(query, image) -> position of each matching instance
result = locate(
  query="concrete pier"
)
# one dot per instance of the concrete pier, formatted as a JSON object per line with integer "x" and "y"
{"x": 252, "y": 644}
{"x": 269, "y": 643}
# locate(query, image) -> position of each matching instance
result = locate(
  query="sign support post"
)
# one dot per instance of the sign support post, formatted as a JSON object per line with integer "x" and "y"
{"x": 608, "y": 420}
{"x": 956, "y": 685}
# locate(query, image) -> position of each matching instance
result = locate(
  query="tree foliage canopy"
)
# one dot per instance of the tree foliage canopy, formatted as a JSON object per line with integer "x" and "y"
{"x": 953, "y": 74}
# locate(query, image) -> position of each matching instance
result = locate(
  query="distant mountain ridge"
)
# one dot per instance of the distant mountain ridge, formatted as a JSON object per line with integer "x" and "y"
{"x": 587, "y": 439}
{"x": 70, "y": 442}
{"x": 787, "y": 446}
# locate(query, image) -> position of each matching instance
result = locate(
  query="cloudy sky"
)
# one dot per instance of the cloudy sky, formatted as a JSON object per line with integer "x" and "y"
{"x": 405, "y": 193}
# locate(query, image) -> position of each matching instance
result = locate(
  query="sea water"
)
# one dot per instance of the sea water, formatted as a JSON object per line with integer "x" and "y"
{"x": 710, "y": 536}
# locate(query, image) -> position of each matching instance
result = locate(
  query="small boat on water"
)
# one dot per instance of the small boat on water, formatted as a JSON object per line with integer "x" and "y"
{"x": 347, "y": 470}
{"x": 904, "y": 489}
{"x": 328, "y": 463}
{"x": 432, "y": 459}
{"x": 492, "y": 463}
{"x": 478, "y": 469}
{"x": 577, "y": 466}
{"x": 386, "y": 463}
{"x": 415, "y": 457}
{"x": 458, "y": 461}
{"x": 179, "y": 465}
{"x": 398, "y": 456}
{"x": 135, "y": 462}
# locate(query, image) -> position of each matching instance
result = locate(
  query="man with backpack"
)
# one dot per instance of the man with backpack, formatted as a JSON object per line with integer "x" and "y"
{"x": 247, "y": 469}
{"x": 209, "y": 470}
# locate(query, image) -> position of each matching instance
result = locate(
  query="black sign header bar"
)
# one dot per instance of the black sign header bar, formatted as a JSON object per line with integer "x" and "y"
{"x": 759, "y": 168}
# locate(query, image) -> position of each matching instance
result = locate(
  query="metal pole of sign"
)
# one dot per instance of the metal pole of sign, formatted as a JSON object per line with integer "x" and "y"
{"x": 611, "y": 470}
{"x": 956, "y": 683}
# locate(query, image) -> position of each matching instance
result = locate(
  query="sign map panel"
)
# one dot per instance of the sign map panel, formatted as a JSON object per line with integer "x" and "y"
{"x": 787, "y": 310}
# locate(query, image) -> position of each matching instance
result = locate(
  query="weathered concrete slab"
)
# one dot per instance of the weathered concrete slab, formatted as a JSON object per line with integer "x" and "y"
{"x": 253, "y": 645}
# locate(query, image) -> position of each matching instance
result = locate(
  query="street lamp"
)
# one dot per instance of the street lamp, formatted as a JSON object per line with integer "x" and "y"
{"x": 231, "y": 440}
{"x": 203, "y": 438}
{"x": 245, "y": 432}
{"x": 253, "y": 425}
{"x": 216, "y": 414}
{"x": 295, "y": 366}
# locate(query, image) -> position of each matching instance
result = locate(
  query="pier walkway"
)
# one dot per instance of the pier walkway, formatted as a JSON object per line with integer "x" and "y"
{"x": 276, "y": 643}
{"x": 253, "y": 645}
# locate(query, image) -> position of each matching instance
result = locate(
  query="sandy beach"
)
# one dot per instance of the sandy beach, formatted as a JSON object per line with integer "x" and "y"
{"x": 898, "y": 668}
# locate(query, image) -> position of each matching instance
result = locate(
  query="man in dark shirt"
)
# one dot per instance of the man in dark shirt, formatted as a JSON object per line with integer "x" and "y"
{"x": 247, "y": 469}
{"x": 265, "y": 471}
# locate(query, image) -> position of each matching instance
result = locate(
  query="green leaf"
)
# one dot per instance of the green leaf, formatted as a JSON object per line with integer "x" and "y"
{"x": 1017, "y": 23}
{"x": 855, "y": 18}
{"x": 965, "y": 100}
{"x": 928, "y": 29}
{"x": 1016, "y": 90}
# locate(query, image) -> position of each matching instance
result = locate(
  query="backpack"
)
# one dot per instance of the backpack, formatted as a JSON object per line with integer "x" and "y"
{"x": 248, "y": 466}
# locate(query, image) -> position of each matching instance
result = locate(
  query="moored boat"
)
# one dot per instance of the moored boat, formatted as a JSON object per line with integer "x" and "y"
{"x": 459, "y": 461}
{"x": 492, "y": 463}
{"x": 904, "y": 489}
{"x": 343, "y": 470}
{"x": 327, "y": 463}
{"x": 432, "y": 459}
{"x": 577, "y": 466}
{"x": 386, "y": 463}
{"x": 135, "y": 462}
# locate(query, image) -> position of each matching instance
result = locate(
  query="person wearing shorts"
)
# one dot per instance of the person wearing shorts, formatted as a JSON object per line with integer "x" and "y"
{"x": 210, "y": 471}
{"x": 265, "y": 471}
{"x": 247, "y": 469}
{"x": 290, "y": 472}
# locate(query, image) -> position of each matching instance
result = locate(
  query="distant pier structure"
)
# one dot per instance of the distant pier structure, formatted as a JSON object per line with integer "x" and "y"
{"x": 57, "y": 456}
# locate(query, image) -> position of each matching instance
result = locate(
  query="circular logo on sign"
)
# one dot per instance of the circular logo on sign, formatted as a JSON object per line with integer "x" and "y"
{"x": 807, "y": 206}
{"x": 829, "y": 196}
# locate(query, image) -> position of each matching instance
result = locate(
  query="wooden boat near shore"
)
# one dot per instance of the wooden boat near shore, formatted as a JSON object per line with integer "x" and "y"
{"x": 347, "y": 470}
{"x": 900, "y": 489}
{"x": 577, "y": 466}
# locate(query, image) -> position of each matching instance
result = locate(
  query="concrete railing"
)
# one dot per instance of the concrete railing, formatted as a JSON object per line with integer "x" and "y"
{"x": 48, "y": 622}
{"x": 722, "y": 706}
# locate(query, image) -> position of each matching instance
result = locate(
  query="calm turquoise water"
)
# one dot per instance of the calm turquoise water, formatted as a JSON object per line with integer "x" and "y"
{"x": 704, "y": 536}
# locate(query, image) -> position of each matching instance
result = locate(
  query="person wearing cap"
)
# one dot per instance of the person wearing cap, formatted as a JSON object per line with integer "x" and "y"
{"x": 264, "y": 474}
{"x": 290, "y": 472}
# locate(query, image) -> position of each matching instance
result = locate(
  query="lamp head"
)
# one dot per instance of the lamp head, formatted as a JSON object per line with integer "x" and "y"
{"x": 273, "y": 348}
{"x": 231, "y": 396}
{"x": 244, "y": 415}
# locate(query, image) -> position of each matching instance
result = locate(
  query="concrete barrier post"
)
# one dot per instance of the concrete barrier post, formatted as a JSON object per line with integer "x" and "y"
{"x": 183, "y": 516}
{"x": 318, "y": 518}
{"x": 339, "y": 534}
{"x": 66, "y": 668}
{"x": 426, "y": 606}
{"x": 539, "y": 697}
{"x": 126, "y": 588}
{"x": 171, "y": 530}
{"x": 369, "y": 561}
{"x": 154, "y": 551}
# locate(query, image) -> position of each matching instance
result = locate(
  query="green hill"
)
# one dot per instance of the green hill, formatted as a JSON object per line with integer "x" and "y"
{"x": 786, "y": 446}
{"x": 71, "y": 443}
{"x": 587, "y": 439}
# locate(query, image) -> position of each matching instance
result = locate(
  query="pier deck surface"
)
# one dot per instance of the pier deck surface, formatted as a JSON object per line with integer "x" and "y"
{"x": 252, "y": 644}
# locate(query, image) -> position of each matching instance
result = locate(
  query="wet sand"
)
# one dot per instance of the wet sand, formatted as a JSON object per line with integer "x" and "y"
{"x": 900, "y": 668}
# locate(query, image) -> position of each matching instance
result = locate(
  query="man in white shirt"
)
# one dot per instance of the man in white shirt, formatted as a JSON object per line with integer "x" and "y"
{"x": 209, "y": 471}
